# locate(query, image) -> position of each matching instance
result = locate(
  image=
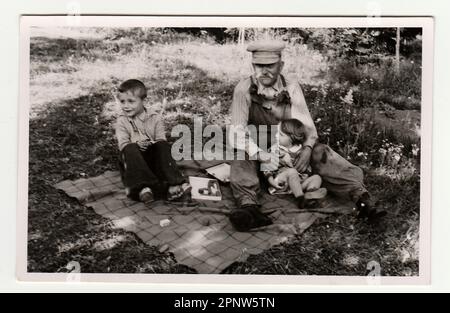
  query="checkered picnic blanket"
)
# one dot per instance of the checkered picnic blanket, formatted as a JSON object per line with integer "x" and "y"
{"x": 200, "y": 237}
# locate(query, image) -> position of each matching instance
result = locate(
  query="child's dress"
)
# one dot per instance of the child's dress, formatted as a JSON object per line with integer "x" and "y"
{"x": 286, "y": 174}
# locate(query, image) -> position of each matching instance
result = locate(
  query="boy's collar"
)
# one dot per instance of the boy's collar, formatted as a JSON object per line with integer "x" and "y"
{"x": 142, "y": 115}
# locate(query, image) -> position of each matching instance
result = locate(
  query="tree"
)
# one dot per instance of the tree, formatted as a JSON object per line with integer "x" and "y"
{"x": 397, "y": 51}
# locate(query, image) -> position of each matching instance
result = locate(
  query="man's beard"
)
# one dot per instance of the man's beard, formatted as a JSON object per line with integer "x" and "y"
{"x": 262, "y": 77}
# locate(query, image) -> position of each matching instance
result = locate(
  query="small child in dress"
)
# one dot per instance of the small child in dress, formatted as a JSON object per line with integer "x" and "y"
{"x": 146, "y": 163}
{"x": 304, "y": 186}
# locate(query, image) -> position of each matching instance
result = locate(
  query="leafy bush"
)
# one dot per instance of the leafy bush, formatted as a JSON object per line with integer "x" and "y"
{"x": 156, "y": 35}
{"x": 379, "y": 84}
{"x": 354, "y": 134}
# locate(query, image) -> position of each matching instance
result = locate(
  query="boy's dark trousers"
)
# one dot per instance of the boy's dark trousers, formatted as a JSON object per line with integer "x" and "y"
{"x": 154, "y": 168}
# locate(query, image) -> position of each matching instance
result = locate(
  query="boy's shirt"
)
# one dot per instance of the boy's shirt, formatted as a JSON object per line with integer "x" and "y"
{"x": 145, "y": 126}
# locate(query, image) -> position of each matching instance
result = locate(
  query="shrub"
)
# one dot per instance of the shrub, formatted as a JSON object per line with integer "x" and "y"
{"x": 353, "y": 132}
{"x": 376, "y": 84}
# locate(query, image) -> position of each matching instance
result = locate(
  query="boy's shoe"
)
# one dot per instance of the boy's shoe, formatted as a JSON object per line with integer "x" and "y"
{"x": 248, "y": 217}
{"x": 367, "y": 209}
{"x": 182, "y": 195}
{"x": 146, "y": 195}
{"x": 314, "y": 199}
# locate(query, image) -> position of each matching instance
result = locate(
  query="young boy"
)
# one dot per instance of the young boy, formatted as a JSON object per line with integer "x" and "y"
{"x": 146, "y": 164}
{"x": 305, "y": 187}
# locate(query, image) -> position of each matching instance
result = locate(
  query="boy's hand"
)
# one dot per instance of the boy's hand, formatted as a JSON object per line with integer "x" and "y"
{"x": 144, "y": 144}
{"x": 276, "y": 183}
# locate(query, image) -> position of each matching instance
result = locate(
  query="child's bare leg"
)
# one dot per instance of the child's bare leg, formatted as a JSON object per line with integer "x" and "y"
{"x": 312, "y": 183}
{"x": 294, "y": 182}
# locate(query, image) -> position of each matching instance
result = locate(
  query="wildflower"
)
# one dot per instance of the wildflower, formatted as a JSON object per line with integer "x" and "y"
{"x": 382, "y": 151}
{"x": 348, "y": 99}
{"x": 415, "y": 150}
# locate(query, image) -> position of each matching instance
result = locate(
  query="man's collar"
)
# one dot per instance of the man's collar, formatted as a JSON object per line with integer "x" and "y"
{"x": 278, "y": 86}
{"x": 271, "y": 92}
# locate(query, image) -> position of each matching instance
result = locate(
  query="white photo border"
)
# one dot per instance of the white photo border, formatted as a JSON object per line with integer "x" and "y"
{"x": 426, "y": 23}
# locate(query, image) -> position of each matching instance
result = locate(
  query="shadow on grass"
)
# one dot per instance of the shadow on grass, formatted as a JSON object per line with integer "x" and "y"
{"x": 70, "y": 141}
{"x": 48, "y": 50}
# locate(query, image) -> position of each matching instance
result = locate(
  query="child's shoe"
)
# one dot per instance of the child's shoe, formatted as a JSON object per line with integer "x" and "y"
{"x": 146, "y": 195}
{"x": 300, "y": 200}
{"x": 314, "y": 199}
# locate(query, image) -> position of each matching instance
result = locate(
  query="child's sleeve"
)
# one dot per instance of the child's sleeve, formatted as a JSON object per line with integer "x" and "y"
{"x": 122, "y": 134}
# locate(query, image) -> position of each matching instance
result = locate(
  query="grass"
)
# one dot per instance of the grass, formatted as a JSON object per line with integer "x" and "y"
{"x": 71, "y": 136}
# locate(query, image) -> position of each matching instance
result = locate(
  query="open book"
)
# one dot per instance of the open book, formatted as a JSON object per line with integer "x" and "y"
{"x": 205, "y": 188}
{"x": 221, "y": 172}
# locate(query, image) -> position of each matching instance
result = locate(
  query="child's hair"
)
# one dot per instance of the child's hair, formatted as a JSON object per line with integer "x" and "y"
{"x": 294, "y": 129}
{"x": 135, "y": 86}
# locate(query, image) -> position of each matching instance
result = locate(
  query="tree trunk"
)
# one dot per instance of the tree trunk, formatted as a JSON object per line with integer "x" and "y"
{"x": 397, "y": 51}
{"x": 241, "y": 38}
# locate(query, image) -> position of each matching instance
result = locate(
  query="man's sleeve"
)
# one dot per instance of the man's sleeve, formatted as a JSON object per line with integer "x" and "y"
{"x": 239, "y": 136}
{"x": 122, "y": 134}
{"x": 160, "y": 130}
{"x": 300, "y": 111}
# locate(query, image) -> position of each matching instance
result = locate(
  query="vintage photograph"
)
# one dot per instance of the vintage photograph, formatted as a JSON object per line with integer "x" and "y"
{"x": 225, "y": 150}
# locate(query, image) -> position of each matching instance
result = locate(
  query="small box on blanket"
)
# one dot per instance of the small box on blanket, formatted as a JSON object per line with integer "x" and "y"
{"x": 205, "y": 189}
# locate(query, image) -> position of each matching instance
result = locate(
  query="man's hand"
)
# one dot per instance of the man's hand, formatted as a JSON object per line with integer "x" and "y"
{"x": 303, "y": 158}
{"x": 265, "y": 157}
{"x": 286, "y": 161}
{"x": 144, "y": 144}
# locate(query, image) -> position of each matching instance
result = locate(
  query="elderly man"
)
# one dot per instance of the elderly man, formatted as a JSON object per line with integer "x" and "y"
{"x": 264, "y": 99}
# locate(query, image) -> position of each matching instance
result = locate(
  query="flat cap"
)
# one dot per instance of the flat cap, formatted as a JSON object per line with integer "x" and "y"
{"x": 267, "y": 51}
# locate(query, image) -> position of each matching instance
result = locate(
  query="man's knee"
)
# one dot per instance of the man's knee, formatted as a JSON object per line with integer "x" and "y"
{"x": 320, "y": 154}
{"x": 244, "y": 172}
